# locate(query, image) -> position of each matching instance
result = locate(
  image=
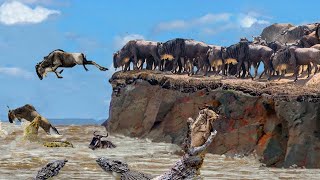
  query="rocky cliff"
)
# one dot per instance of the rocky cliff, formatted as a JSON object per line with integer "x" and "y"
{"x": 280, "y": 122}
{"x": 285, "y": 33}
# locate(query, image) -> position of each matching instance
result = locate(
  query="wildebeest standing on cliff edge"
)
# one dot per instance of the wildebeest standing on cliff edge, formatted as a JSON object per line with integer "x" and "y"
{"x": 295, "y": 57}
{"x": 239, "y": 52}
{"x": 256, "y": 54}
{"x": 137, "y": 50}
{"x": 173, "y": 50}
{"x": 197, "y": 51}
{"x": 59, "y": 58}
{"x": 188, "y": 49}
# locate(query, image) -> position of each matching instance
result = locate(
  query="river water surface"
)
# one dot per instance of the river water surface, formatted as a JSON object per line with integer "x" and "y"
{"x": 21, "y": 159}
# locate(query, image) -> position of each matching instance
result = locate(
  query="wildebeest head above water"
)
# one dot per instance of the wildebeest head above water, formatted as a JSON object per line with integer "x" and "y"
{"x": 11, "y": 115}
{"x": 97, "y": 143}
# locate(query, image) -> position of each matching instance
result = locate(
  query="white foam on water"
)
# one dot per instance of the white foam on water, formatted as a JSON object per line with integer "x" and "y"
{"x": 3, "y": 133}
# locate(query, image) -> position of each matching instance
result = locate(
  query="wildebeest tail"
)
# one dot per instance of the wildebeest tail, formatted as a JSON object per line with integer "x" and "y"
{"x": 53, "y": 129}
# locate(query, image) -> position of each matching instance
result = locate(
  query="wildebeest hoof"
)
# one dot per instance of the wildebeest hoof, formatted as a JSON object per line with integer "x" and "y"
{"x": 103, "y": 69}
{"x": 60, "y": 77}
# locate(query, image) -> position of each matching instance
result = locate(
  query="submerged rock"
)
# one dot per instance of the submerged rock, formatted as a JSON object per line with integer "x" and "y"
{"x": 58, "y": 144}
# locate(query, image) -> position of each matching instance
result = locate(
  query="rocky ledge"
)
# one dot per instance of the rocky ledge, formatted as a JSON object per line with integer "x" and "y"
{"x": 279, "y": 121}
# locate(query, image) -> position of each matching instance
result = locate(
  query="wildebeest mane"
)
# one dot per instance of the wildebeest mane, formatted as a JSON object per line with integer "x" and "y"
{"x": 125, "y": 50}
{"x": 20, "y": 110}
{"x": 53, "y": 52}
{"x": 283, "y": 56}
{"x": 24, "y": 108}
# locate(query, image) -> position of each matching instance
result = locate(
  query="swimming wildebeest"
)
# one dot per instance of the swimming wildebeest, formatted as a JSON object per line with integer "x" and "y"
{"x": 136, "y": 50}
{"x": 97, "y": 143}
{"x": 29, "y": 113}
{"x": 59, "y": 58}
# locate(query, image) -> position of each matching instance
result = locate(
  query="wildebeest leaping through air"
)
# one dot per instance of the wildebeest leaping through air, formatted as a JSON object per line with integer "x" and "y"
{"x": 59, "y": 58}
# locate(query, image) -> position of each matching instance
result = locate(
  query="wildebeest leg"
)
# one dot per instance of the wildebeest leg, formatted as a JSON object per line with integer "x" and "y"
{"x": 223, "y": 67}
{"x": 95, "y": 64}
{"x": 84, "y": 66}
{"x": 157, "y": 61}
{"x": 180, "y": 65}
{"x": 175, "y": 61}
{"x": 315, "y": 68}
{"x": 265, "y": 70}
{"x": 247, "y": 69}
{"x": 256, "y": 69}
{"x": 58, "y": 74}
{"x": 238, "y": 67}
{"x": 296, "y": 69}
{"x": 135, "y": 61}
{"x": 54, "y": 69}
{"x": 281, "y": 73}
{"x": 141, "y": 64}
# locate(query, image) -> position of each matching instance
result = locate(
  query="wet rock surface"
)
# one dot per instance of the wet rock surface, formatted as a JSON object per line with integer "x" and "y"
{"x": 280, "y": 122}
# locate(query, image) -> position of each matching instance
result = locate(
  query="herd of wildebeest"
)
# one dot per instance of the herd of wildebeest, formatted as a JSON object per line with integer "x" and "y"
{"x": 183, "y": 55}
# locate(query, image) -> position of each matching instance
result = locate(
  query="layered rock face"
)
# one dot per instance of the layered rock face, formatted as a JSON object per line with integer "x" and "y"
{"x": 279, "y": 122}
{"x": 275, "y": 32}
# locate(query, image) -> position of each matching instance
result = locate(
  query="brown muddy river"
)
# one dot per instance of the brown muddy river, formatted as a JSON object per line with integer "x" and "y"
{"x": 21, "y": 160}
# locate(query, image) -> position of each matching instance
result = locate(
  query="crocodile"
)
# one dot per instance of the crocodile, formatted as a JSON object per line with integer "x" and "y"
{"x": 200, "y": 135}
{"x": 51, "y": 169}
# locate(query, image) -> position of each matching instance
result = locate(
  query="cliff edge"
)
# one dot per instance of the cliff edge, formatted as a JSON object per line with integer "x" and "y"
{"x": 279, "y": 121}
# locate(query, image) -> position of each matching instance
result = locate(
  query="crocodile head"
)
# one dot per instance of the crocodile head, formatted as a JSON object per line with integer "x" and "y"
{"x": 114, "y": 167}
{"x": 202, "y": 126}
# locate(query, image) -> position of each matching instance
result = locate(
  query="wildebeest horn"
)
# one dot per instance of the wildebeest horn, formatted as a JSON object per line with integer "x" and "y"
{"x": 94, "y": 133}
{"x": 9, "y": 108}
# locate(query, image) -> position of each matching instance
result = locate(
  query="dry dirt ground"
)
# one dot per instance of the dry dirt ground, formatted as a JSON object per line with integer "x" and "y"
{"x": 285, "y": 87}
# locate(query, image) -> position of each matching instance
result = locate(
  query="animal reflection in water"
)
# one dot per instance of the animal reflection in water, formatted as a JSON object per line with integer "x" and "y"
{"x": 199, "y": 136}
{"x": 97, "y": 143}
{"x": 29, "y": 113}
{"x": 59, "y": 58}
